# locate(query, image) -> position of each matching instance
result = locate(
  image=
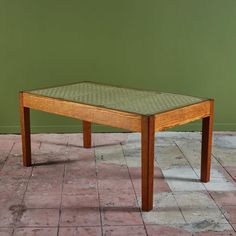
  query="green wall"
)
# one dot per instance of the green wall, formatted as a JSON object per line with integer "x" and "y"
{"x": 181, "y": 46}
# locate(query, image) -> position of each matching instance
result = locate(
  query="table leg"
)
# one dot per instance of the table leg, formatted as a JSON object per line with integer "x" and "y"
{"x": 147, "y": 139}
{"x": 25, "y": 132}
{"x": 207, "y": 127}
{"x": 87, "y": 134}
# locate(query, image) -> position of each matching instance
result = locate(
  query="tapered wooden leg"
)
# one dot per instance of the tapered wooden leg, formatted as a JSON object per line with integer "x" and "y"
{"x": 87, "y": 134}
{"x": 207, "y": 127}
{"x": 25, "y": 132}
{"x": 147, "y": 139}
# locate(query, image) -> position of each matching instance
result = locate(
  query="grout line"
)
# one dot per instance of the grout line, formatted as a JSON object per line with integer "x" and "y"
{"x": 22, "y": 201}
{"x": 216, "y": 158}
{"x": 63, "y": 176}
{"x": 40, "y": 144}
{"x": 78, "y": 226}
{"x": 186, "y": 159}
{"x": 135, "y": 194}
{"x": 98, "y": 193}
{"x": 220, "y": 209}
{"x": 7, "y": 156}
{"x": 172, "y": 192}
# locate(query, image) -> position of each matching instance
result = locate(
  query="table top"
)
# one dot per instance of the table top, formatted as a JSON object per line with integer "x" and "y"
{"x": 136, "y": 101}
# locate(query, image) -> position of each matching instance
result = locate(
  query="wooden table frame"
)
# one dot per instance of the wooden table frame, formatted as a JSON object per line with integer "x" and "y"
{"x": 147, "y": 125}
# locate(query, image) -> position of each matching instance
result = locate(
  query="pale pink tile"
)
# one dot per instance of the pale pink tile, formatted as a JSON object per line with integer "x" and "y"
{"x": 81, "y": 231}
{"x": 6, "y": 231}
{"x": 124, "y": 230}
{"x": 80, "y": 201}
{"x": 38, "y": 217}
{"x": 42, "y": 200}
{"x": 86, "y": 216}
{"x": 224, "y": 198}
{"x": 35, "y": 232}
{"x": 121, "y": 216}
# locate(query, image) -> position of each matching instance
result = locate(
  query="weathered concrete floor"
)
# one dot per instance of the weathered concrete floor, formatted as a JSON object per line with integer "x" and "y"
{"x": 75, "y": 191}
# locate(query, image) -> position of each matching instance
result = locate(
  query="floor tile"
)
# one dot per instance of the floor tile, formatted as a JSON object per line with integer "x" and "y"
{"x": 192, "y": 152}
{"x": 44, "y": 187}
{"x": 170, "y": 157}
{"x": 6, "y": 231}
{"x": 224, "y": 198}
{"x": 112, "y": 171}
{"x": 234, "y": 227}
{"x": 182, "y": 205}
{"x": 12, "y": 186}
{"x": 110, "y": 155}
{"x": 121, "y": 216}
{"x": 124, "y": 230}
{"x": 86, "y": 216}
{"x": 76, "y": 172}
{"x": 15, "y": 170}
{"x": 214, "y": 233}
{"x": 232, "y": 171}
{"x": 38, "y": 218}
{"x": 107, "y": 139}
{"x": 81, "y": 231}
{"x": 216, "y": 172}
{"x": 82, "y": 186}
{"x": 118, "y": 200}
{"x": 225, "y": 141}
{"x": 35, "y": 232}
{"x": 17, "y": 148}
{"x": 8, "y": 199}
{"x": 7, "y": 217}
{"x": 46, "y": 171}
{"x": 217, "y": 184}
{"x": 80, "y": 201}
{"x": 230, "y": 213}
{"x": 154, "y": 230}
{"x": 42, "y": 200}
{"x": 226, "y": 156}
{"x": 182, "y": 179}
{"x": 165, "y": 211}
{"x": 115, "y": 186}
{"x": 198, "y": 200}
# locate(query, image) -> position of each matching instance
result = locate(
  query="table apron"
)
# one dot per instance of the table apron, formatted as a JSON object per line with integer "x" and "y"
{"x": 85, "y": 112}
{"x": 183, "y": 115}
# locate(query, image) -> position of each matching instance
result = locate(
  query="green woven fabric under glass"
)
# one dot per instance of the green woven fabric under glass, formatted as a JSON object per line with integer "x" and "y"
{"x": 123, "y": 99}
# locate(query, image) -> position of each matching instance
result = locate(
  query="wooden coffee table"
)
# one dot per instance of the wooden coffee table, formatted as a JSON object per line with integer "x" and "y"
{"x": 131, "y": 109}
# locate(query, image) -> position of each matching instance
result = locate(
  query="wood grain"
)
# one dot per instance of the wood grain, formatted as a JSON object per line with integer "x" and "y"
{"x": 25, "y": 132}
{"x": 87, "y": 134}
{"x": 85, "y": 112}
{"x": 182, "y": 115}
{"x": 207, "y": 129}
{"x": 147, "y": 139}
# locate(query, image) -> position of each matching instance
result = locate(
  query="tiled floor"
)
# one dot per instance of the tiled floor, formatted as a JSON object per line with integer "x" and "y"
{"x": 75, "y": 191}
